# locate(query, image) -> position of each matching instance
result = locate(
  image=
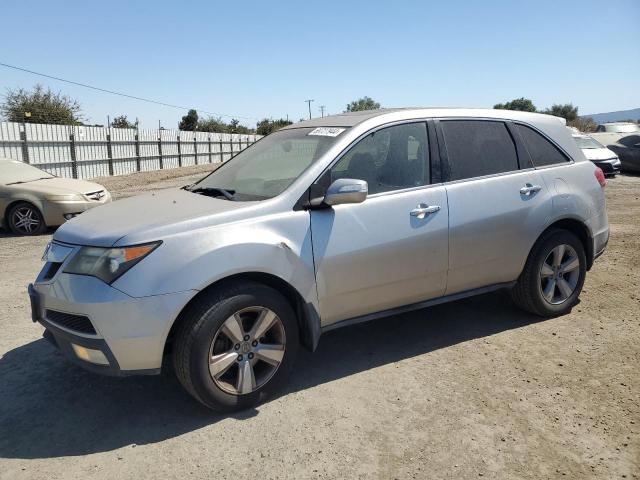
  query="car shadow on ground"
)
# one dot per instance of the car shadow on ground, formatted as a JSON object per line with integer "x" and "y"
{"x": 50, "y": 408}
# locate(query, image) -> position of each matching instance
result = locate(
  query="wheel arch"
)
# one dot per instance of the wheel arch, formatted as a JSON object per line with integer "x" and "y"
{"x": 306, "y": 313}
{"x": 14, "y": 201}
{"x": 579, "y": 229}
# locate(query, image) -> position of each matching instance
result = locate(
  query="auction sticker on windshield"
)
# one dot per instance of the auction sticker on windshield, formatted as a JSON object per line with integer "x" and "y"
{"x": 326, "y": 131}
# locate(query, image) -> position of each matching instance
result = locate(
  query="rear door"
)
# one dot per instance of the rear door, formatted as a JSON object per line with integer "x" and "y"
{"x": 390, "y": 250}
{"x": 498, "y": 204}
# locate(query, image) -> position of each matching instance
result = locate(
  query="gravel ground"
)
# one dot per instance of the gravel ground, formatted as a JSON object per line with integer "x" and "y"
{"x": 471, "y": 389}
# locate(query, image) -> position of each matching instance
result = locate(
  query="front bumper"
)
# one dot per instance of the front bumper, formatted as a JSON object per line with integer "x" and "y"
{"x": 609, "y": 167}
{"x": 129, "y": 332}
{"x": 54, "y": 212}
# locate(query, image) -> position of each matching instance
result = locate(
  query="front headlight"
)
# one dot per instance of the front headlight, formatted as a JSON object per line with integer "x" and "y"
{"x": 72, "y": 197}
{"x": 108, "y": 264}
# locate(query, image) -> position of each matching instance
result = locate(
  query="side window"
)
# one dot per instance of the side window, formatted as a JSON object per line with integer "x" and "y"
{"x": 478, "y": 147}
{"x": 541, "y": 150}
{"x": 392, "y": 158}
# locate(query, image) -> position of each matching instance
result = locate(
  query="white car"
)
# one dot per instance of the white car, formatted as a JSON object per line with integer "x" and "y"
{"x": 604, "y": 158}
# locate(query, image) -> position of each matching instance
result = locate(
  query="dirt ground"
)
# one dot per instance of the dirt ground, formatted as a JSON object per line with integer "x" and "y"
{"x": 471, "y": 389}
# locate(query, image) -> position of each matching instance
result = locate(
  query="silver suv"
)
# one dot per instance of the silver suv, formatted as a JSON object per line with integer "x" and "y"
{"x": 325, "y": 223}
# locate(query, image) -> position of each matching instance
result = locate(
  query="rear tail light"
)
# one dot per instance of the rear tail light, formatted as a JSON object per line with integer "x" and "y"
{"x": 600, "y": 176}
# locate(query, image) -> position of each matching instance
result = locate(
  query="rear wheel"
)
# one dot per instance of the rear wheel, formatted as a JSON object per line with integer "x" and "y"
{"x": 25, "y": 219}
{"x": 236, "y": 347}
{"x": 553, "y": 276}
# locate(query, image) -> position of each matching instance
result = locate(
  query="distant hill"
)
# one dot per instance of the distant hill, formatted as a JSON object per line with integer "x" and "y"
{"x": 615, "y": 116}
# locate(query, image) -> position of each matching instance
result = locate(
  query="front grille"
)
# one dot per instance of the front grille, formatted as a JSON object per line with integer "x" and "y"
{"x": 97, "y": 196}
{"x": 78, "y": 323}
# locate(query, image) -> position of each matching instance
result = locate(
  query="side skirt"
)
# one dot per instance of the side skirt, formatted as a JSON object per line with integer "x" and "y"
{"x": 417, "y": 306}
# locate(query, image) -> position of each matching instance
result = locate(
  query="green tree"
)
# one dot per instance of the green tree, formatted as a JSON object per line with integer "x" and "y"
{"x": 40, "y": 106}
{"x": 189, "y": 122}
{"x": 364, "y": 103}
{"x": 522, "y": 104}
{"x": 584, "y": 124}
{"x": 122, "y": 122}
{"x": 266, "y": 126}
{"x": 566, "y": 111}
{"x": 212, "y": 124}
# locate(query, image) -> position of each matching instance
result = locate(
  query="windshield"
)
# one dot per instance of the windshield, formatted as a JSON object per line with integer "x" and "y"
{"x": 268, "y": 167}
{"x": 622, "y": 128}
{"x": 13, "y": 171}
{"x": 587, "y": 143}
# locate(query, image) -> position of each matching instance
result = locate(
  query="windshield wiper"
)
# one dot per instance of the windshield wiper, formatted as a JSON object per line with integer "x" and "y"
{"x": 214, "y": 191}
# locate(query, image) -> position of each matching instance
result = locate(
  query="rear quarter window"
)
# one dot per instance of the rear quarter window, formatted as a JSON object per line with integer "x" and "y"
{"x": 478, "y": 147}
{"x": 541, "y": 150}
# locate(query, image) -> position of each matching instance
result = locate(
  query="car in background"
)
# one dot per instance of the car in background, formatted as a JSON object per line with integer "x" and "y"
{"x": 32, "y": 200}
{"x": 604, "y": 158}
{"x": 618, "y": 127}
{"x": 623, "y": 138}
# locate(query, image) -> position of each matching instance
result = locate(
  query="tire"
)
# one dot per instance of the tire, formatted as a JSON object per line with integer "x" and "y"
{"x": 25, "y": 219}
{"x": 223, "y": 371}
{"x": 546, "y": 292}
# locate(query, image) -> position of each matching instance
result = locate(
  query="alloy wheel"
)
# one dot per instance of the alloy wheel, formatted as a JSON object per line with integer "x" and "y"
{"x": 26, "y": 220}
{"x": 247, "y": 350}
{"x": 559, "y": 274}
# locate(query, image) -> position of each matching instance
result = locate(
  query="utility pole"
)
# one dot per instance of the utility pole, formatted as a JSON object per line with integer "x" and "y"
{"x": 309, "y": 103}
{"x": 322, "y": 107}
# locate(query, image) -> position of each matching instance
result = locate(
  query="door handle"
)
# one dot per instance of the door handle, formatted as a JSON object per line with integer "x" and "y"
{"x": 423, "y": 209}
{"x": 528, "y": 189}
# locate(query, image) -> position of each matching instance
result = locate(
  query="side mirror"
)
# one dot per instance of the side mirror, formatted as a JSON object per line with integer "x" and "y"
{"x": 346, "y": 190}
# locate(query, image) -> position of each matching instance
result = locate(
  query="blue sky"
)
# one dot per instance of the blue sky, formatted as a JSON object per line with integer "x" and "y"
{"x": 263, "y": 59}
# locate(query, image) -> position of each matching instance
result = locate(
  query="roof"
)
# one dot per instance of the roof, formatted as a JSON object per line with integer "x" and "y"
{"x": 351, "y": 119}
{"x": 553, "y": 127}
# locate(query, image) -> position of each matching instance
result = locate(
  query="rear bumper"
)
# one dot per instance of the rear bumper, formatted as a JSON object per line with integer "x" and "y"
{"x": 600, "y": 242}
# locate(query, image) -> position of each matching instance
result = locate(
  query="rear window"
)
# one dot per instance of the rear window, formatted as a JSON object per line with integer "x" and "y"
{"x": 541, "y": 150}
{"x": 478, "y": 147}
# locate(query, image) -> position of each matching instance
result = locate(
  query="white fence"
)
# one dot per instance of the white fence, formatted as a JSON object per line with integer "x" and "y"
{"x": 86, "y": 152}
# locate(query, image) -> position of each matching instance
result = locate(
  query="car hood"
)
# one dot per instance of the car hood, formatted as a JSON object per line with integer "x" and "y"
{"x": 149, "y": 217}
{"x": 57, "y": 186}
{"x": 599, "y": 154}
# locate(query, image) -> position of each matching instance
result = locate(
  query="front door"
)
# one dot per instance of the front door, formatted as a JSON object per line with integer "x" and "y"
{"x": 392, "y": 249}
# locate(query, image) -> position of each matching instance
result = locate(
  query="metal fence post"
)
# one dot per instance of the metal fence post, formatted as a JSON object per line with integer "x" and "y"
{"x": 209, "y": 144}
{"x": 72, "y": 151}
{"x": 179, "y": 152}
{"x": 160, "y": 149}
{"x": 221, "y": 152}
{"x": 195, "y": 150}
{"x": 25, "y": 144}
{"x": 109, "y": 153}
{"x": 137, "y": 147}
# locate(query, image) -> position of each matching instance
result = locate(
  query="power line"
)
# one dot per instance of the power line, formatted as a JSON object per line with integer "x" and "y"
{"x": 112, "y": 92}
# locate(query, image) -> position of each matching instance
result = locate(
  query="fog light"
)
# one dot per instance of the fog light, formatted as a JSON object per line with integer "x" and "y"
{"x": 90, "y": 355}
{"x": 69, "y": 216}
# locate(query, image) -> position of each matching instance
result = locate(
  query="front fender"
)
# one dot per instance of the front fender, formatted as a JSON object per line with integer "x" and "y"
{"x": 279, "y": 245}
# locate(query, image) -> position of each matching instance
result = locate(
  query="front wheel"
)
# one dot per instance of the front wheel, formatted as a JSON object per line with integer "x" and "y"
{"x": 25, "y": 219}
{"x": 236, "y": 346}
{"x": 553, "y": 276}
